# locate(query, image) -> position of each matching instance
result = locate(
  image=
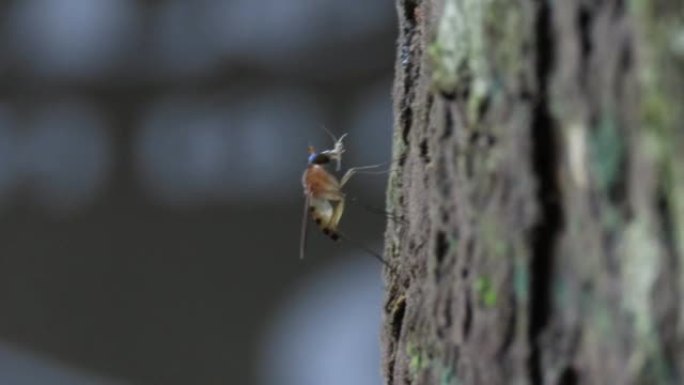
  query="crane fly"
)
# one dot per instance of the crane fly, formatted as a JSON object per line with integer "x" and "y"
{"x": 324, "y": 198}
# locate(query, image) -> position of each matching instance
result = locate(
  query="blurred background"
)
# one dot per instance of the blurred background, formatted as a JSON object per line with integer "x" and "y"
{"x": 151, "y": 154}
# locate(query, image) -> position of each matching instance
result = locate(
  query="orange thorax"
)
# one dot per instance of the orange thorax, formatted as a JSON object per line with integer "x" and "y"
{"x": 319, "y": 183}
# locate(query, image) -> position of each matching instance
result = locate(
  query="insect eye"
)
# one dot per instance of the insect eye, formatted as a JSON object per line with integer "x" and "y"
{"x": 319, "y": 159}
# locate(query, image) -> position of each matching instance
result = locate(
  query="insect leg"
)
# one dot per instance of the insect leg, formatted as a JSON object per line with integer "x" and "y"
{"x": 305, "y": 220}
{"x": 350, "y": 172}
{"x": 370, "y": 251}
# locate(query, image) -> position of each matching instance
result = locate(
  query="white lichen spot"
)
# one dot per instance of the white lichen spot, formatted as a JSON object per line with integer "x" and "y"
{"x": 458, "y": 50}
{"x": 577, "y": 154}
{"x": 450, "y": 47}
{"x": 677, "y": 43}
{"x": 642, "y": 254}
{"x": 480, "y": 89}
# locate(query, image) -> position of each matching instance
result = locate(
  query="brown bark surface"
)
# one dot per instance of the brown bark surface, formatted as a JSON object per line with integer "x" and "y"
{"x": 537, "y": 193}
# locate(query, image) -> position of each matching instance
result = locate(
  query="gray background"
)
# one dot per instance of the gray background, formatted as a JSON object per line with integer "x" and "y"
{"x": 150, "y": 162}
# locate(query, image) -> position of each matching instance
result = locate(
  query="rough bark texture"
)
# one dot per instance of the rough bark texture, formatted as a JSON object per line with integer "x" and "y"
{"x": 537, "y": 193}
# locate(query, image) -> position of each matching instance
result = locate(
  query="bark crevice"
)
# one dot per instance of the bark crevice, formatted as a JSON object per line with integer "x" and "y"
{"x": 545, "y": 167}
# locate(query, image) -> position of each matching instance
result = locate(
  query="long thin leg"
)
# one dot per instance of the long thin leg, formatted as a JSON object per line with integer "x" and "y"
{"x": 305, "y": 220}
{"x": 354, "y": 170}
{"x": 376, "y": 210}
{"x": 370, "y": 251}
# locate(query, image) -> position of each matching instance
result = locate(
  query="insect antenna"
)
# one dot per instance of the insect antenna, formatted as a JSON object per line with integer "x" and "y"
{"x": 338, "y": 148}
{"x": 332, "y": 136}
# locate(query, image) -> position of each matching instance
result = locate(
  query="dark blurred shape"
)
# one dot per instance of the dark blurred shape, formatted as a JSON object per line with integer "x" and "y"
{"x": 182, "y": 46}
{"x": 66, "y": 154}
{"x": 8, "y": 155}
{"x": 284, "y": 34}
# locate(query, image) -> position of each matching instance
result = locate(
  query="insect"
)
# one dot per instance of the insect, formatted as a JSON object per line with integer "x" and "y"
{"x": 324, "y": 199}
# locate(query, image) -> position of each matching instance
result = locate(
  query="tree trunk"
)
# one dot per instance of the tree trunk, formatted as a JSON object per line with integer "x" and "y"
{"x": 537, "y": 193}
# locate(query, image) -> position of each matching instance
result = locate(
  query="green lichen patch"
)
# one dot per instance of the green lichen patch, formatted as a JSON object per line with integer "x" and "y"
{"x": 492, "y": 235}
{"x": 486, "y": 292}
{"x": 607, "y": 151}
{"x": 521, "y": 281}
{"x": 448, "y": 376}
{"x": 418, "y": 359}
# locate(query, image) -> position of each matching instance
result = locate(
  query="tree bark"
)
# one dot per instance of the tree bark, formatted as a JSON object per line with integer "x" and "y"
{"x": 537, "y": 193}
